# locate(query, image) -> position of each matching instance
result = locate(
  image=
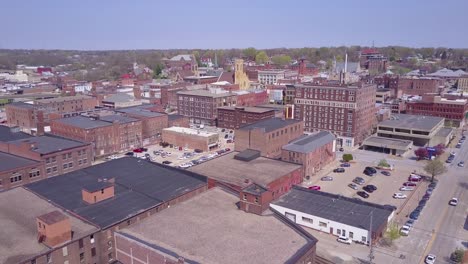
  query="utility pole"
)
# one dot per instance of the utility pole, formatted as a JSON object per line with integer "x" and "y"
{"x": 371, "y": 253}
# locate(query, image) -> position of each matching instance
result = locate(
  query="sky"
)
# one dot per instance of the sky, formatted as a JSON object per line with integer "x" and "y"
{"x": 220, "y": 24}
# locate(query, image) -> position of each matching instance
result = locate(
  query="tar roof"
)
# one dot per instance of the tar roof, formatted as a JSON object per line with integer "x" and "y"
{"x": 174, "y": 117}
{"x": 260, "y": 170}
{"x": 209, "y": 228}
{"x": 247, "y": 109}
{"x": 83, "y": 122}
{"x": 18, "y": 211}
{"x": 139, "y": 111}
{"x": 139, "y": 185}
{"x": 426, "y": 123}
{"x": 11, "y": 162}
{"x": 309, "y": 143}
{"x": 205, "y": 93}
{"x": 9, "y": 134}
{"x": 270, "y": 124}
{"x": 349, "y": 211}
{"x": 117, "y": 118}
{"x": 23, "y": 105}
{"x": 49, "y": 144}
{"x": 64, "y": 99}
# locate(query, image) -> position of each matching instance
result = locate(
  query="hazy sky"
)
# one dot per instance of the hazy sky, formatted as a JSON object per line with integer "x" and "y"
{"x": 155, "y": 24}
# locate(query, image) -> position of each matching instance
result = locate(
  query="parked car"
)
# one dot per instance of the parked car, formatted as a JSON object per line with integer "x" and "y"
{"x": 129, "y": 154}
{"x": 144, "y": 149}
{"x": 422, "y": 202}
{"x": 369, "y": 171}
{"x": 339, "y": 170}
{"x": 453, "y": 201}
{"x": 414, "y": 179}
{"x": 404, "y": 230}
{"x": 359, "y": 180}
{"x": 353, "y": 186}
{"x": 221, "y": 151}
{"x": 226, "y": 136}
{"x": 433, "y": 185}
{"x": 315, "y": 187}
{"x": 185, "y": 165}
{"x": 112, "y": 157}
{"x": 449, "y": 160}
{"x": 386, "y": 173}
{"x": 229, "y": 141}
{"x": 409, "y": 184}
{"x": 429, "y": 191}
{"x": 326, "y": 178}
{"x": 227, "y": 149}
{"x": 341, "y": 149}
{"x": 426, "y": 197}
{"x": 406, "y": 188}
{"x": 344, "y": 240}
{"x": 409, "y": 223}
{"x": 399, "y": 196}
{"x": 458, "y": 145}
{"x": 198, "y": 150}
{"x": 415, "y": 215}
{"x": 461, "y": 164}
{"x": 453, "y": 153}
{"x": 166, "y": 162}
{"x": 138, "y": 150}
{"x": 345, "y": 164}
{"x": 430, "y": 259}
{"x": 222, "y": 130}
{"x": 363, "y": 194}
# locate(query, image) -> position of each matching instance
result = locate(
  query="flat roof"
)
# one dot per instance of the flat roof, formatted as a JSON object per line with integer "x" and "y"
{"x": 205, "y": 93}
{"x": 139, "y": 185}
{"x": 63, "y": 99}
{"x": 349, "y": 211}
{"x": 209, "y": 228}
{"x": 9, "y": 134}
{"x": 141, "y": 111}
{"x": 228, "y": 169}
{"x": 444, "y": 132}
{"x": 18, "y": 211}
{"x": 387, "y": 142}
{"x": 11, "y": 162}
{"x": 247, "y": 109}
{"x": 308, "y": 143}
{"x": 48, "y": 144}
{"x": 270, "y": 124}
{"x": 426, "y": 123}
{"x": 117, "y": 118}
{"x": 190, "y": 131}
{"x": 174, "y": 117}
{"x": 83, "y": 122}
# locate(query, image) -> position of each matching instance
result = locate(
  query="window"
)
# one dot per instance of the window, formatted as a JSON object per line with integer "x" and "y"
{"x": 245, "y": 197}
{"x": 16, "y": 177}
{"x": 109, "y": 244}
{"x": 64, "y": 156}
{"x": 93, "y": 252}
{"x": 80, "y": 243}
{"x": 85, "y": 161}
{"x": 322, "y": 224}
{"x": 34, "y": 173}
{"x": 364, "y": 239}
{"x": 91, "y": 238}
{"x": 65, "y": 251}
{"x": 81, "y": 257}
{"x": 351, "y": 235}
{"x": 65, "y": 166}
{"x": 70, "y": 165}
{"x": 308, "y": 220}
{"x": 338, "y": 231}
{"x": 69, "y": 155}
{"x": 110, "y": 257}
{"x": 256, "y": 200}
{"x": 48, "y": 258}
{"x": 54, "y": 169}
{"x": 49, "y": 170}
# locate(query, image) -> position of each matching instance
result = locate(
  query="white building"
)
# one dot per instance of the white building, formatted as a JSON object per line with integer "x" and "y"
{"x": 273, "y": 76}
{"x": 334, "y": 214}
{"x": 83, "y": 87}
{"x": 19, "y": 76}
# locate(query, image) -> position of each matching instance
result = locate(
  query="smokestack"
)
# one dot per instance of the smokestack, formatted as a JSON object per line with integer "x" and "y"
{"x": 346, "y": 63}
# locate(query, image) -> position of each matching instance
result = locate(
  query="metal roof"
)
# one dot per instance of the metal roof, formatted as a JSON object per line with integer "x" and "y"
{"x": 308, "y": 143}
{"x": 337, "y": 208}
{"x": 139, "y": 185}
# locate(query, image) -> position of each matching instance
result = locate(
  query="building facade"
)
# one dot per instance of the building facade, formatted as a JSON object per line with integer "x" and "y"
{"x": 190, "y": 138}
{"x": 418, "y": 85}
{"x": 268, "y": 136}
{"x": 348, "y": 111}
{"x": 235, "y": 117}
{"x": 453, "y": 110}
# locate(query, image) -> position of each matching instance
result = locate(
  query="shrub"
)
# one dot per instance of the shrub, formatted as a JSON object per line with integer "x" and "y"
{"x": 383, "y": 163}
{"x": 347, "y": 157}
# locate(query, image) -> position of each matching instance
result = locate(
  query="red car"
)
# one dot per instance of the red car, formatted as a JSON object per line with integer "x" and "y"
{"x": 409, "y": 184}
{"x": 138, "y": 150}
{"x": 414, "y": 179}
{"x": 315, "y": 187}
{"x": 227, "y": 149}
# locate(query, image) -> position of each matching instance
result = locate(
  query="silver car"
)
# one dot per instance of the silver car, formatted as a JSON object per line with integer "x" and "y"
{"x": 327, "y": 178}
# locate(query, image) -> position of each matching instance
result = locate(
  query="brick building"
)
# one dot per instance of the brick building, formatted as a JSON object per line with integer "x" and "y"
{"x": 251, "y": 98}
{"x": 453, "y": 110}
{"x": 34, "y": 117}
{"x": 107, "y": 134}
{"x": 312, "y": 151}
{"x": 268, "y": 136}
{"x": 201, "y": 105}
{"x": 110, "y": 196}
{"x": 16, "y": 171}
{"x": 388, "y": 81}
{"x": 373, "y": 61}
{"x": 418, "y": 85}
{"x": 197, "y": 228}
{"x": 190, "y": 138}
{"x": 152, "y": 122}
{"x": 233, "y": 117}
{"x": 242, "y": 172}
{"x": 348, "y": 111}
{"x": 178, "y": 121}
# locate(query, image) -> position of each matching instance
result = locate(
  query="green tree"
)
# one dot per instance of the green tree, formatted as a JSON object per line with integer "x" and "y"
{"x": 434, "y": 168}
{"x": 250, "y": 53}
{"x": 383, "y": 163}
{"x": 457, "y": 255}
{"x": 392, "y": 233}
{"x": 157, "y": 71}
{"x": 281, "y": 60}
{"x": 347, "y": 157}
{"x": 261, "y": 57}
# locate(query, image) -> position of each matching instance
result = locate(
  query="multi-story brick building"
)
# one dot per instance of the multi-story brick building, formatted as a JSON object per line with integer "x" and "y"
{"x": 108, "y": 134}
{"x": 152, "y": 122}
{"x": 312, "y": 151}
{"x": 233, "y": 117}
{"x": 372, "y": 60}
{"x": 348, "y": 111}
{"x": 190, "y": 138}
{"x": 418, "y": 85}
{"x": 178, "y": 121}
{"x": 453, "y": 110}
{"x": 16, "y": 171}
{"x": 201, "y": 105}
{"x": 35, "y": 116}
{"x": 251, "y": 98}
{"x": 268, "y": 135}
{"x": 388, "y": 81}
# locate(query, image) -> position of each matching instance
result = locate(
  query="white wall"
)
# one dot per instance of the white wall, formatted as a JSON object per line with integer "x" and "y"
{"x": 358, "y": 233}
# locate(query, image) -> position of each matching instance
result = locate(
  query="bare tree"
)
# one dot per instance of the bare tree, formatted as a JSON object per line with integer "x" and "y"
{"x": 435, "y": 168}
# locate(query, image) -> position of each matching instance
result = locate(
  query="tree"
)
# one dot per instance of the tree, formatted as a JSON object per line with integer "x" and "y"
{"x": 261, "y": 57}
{"x": 383, "y": 163}
{"x": 281, "y": 60}
{"x": 435, "y": 168}
{"x": 347, "y": 157}
{"x": 392, "y": 233}
{"x": 158, "y": 70}
{"x": 457, "y": 255}
{"x": 250, "y": 53}
{"x": 439, "y": 149}
{"x": 421, "y": 153}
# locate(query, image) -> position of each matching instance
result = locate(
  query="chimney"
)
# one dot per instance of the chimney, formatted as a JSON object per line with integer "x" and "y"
{"x": 346, "y": 63}
{"x": 53, "y": 229}
{"x": 101, "y": 190}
